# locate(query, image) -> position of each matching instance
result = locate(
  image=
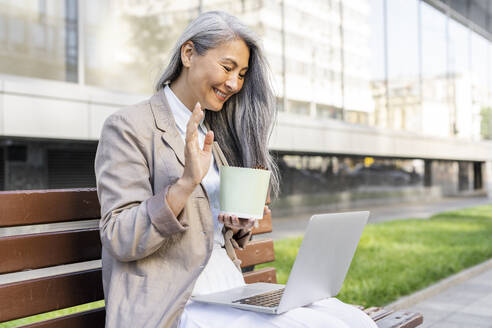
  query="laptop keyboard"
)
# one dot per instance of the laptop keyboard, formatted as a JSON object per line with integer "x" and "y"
{"x": 270, "y": 299}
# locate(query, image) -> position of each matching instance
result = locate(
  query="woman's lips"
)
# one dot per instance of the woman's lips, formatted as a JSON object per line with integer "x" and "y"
{"x": 222, "y": 96}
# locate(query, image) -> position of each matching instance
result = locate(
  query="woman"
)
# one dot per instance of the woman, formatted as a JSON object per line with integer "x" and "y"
{"x": 157, "y": 177}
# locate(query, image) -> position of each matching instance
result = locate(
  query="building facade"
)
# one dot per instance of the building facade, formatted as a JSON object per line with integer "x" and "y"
{"x": 404, "y": 85}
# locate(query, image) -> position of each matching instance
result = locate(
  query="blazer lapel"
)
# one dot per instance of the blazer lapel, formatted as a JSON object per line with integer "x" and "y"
{"x": 164, "y": 121}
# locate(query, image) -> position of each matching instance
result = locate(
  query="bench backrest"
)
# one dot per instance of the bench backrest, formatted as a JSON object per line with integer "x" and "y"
{"x": 50, "y": 254}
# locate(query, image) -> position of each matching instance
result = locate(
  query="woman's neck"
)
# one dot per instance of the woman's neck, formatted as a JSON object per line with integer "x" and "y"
{"x": 180, "y": 89}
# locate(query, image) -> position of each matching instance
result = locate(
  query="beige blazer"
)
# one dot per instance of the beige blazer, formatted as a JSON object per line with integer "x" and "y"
{"x": 151, "y": 258}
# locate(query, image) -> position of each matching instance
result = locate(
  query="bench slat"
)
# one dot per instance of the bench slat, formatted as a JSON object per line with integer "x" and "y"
{"x": 261, "y": 275}
{"x": 93, "y": 319}
{"x": 377, "y": 313}
{"x": 25, "y": 298}
{"x": 265, "y": 225}
{"x": 47, "y": 206}
{"x": 256, "y": 252}
{"x": 48, "y": 249}
{"x": 401, "y": 319}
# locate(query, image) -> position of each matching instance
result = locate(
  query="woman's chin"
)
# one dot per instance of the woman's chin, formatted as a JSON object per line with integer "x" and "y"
{"x": 215, "y": 108}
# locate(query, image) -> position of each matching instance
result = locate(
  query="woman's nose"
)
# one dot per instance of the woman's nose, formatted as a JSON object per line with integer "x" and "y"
{"x": 232, "y": 84}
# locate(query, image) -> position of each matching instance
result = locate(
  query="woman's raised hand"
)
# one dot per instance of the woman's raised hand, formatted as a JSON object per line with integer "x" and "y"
{"x": 197, "y": 161}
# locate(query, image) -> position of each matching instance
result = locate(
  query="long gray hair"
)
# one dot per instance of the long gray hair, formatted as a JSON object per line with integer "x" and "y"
{"x": 244, "y": 125}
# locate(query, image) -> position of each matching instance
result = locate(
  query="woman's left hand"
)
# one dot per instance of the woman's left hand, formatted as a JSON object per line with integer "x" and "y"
{"x": 235, "y": 223}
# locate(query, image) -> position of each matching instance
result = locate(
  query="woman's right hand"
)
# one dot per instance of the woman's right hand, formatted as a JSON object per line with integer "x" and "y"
{"x": 197, "y": 161}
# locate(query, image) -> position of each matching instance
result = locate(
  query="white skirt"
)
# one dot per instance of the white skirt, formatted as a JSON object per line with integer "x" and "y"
{"x": 330, "y": 313}
{"x": 221, "y": 274}
{"x": 218, "y": 275}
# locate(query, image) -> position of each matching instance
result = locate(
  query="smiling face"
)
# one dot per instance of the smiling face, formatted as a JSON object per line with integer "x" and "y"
{"x": 212, "y": 78}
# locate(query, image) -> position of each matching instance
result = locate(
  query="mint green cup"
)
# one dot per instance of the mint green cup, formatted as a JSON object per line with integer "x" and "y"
{"x": 243, "y": 191}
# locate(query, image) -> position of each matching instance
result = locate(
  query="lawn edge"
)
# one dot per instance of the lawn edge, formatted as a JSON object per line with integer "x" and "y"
{"x": 440, "y": 286}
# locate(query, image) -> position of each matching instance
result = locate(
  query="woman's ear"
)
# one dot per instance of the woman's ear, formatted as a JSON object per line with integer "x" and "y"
{"x": 187, "y": 50}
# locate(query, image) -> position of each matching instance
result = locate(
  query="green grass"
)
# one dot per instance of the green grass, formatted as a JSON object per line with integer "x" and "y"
{"x": 51, "y": 315}
{"x": 393, "y": 259}
{"x": 397, "y": 258}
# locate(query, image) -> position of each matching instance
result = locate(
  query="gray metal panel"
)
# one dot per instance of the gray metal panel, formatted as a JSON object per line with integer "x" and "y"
{"x": 71, "y": 169}
{"x": 479, "y": 12}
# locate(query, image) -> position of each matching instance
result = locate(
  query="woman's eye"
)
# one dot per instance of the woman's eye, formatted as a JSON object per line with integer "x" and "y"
{"x": 228, "y": 69}
{"x": 241, "y": 76}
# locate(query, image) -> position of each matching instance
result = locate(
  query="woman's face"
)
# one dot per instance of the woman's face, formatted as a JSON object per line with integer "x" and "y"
{"x": 218, "y": 74}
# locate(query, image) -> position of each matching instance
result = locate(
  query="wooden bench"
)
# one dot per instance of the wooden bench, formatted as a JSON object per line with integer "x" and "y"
{"x": 50, "y": 259}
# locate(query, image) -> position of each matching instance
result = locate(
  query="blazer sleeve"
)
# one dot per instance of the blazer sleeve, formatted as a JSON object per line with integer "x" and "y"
{"x": 134, "y": 222}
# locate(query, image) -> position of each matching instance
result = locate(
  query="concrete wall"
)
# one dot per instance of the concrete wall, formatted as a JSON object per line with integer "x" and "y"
{"x": 31, "y": 108}
{"x": 50, "y": 109}
{"x": 58, "y": 110}
{"x": 301, "y": 134}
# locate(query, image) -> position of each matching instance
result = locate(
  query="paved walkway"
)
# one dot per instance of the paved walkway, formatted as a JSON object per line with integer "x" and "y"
{"x": 465, "y": 303}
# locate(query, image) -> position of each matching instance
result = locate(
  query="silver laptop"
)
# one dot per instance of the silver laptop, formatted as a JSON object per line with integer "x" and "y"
{"x": 318, "y": 272}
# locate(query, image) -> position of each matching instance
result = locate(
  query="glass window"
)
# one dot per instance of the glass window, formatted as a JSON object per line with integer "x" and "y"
{"x": 479, "y": 60}
{"x": 34, "y": 38}
{"x": 479, "y": 81}
{"x": 403, "y": 47}
{"x": 128, "y": 43}
{"x": 270, "y": 20}
{"x": 3, "y": 29}
{"x": 249, "y": 12}
{"x": 312, "y": 53}
{"x": 16, "y": 31}
{"x": 433, "y": 42}
{"x": 38, "y": 35}
{"x": 490, "y": 72}
{"x": 459, "y": 48}
{"x": 356, "y": 58}
{"x": 403, "y": 65}
{"x": 298, "y": 107}
{"x": 329, "y": 90}
{"x": 436, "y": 112}
{"x": 459, "y": 79}
{"x": 246, "y": 10}
{"x": 325, "y": 111}
{"x": 376, "y": 44}
{"x": 377, "y": 62}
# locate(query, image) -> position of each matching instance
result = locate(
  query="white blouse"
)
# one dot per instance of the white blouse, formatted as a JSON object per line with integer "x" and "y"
{"x": 219, "y": 273}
